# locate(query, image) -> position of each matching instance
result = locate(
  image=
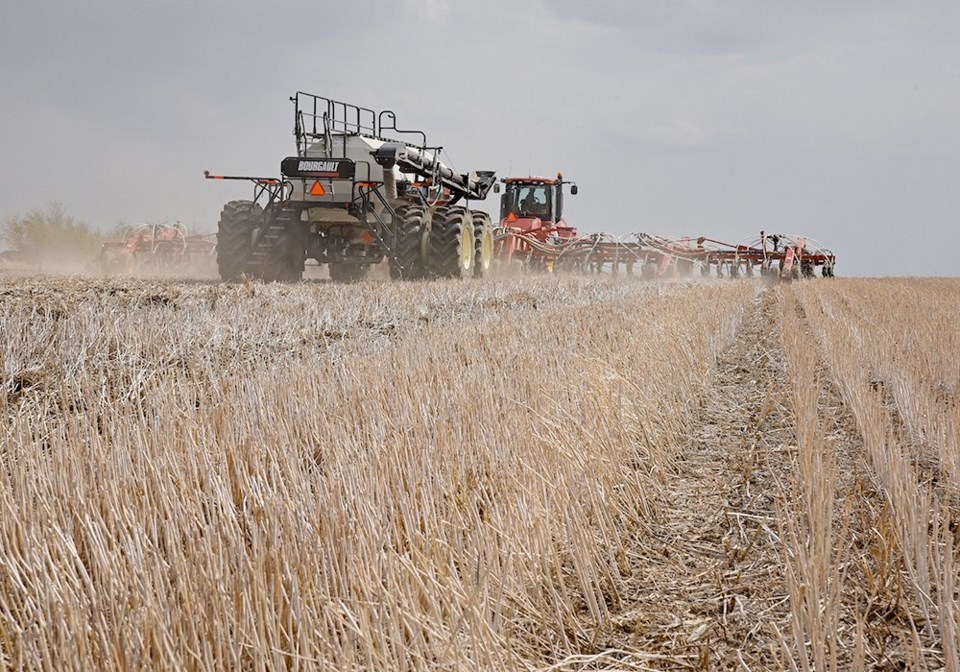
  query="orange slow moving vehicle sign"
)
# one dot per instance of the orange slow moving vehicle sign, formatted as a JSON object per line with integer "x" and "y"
{"x": 317, "y": 189}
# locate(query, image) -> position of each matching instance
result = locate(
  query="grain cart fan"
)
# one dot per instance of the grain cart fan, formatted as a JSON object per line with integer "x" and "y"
{"x": 358, "y": 191}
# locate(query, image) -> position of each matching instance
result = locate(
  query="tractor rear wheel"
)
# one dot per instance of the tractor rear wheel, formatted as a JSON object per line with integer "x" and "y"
{"x": 450, "y": 249}
{"x": 482, "y": 244}
{"x": 347, "y": 271}
{"x": 407, "y": 260}
{"x": 235, "y": 238}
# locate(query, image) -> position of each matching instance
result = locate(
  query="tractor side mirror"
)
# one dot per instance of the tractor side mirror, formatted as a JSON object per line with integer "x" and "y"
{"x": 573, "y": 190}
{"x": 496, "y": 187}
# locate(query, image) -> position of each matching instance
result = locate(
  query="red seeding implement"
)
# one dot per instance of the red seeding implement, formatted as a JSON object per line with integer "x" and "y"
{"x": 771, "y": 255}
{"x": 534, "y": 235}
{"x": 776, "y": 256}
{"x": 156, "y": 248}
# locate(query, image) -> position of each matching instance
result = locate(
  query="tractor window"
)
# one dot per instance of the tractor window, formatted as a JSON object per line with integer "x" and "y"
{"x": 528, "y": 200}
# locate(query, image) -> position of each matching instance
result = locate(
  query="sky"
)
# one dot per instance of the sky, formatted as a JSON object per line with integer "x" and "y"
{"x": 837, "y": 120}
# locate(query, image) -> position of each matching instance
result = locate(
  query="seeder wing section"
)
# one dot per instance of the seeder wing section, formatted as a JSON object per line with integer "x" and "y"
{"x": 775, "y": 256}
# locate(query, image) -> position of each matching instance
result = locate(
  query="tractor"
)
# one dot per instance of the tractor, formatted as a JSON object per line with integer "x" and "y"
{"x": 358, "y": 190}
{"x": 532, "y": 228}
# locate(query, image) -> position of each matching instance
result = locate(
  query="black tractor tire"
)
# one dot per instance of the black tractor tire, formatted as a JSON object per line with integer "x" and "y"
{"x": 285, "y": 261}
{"x": 238, "y": 219}
{"x": 450, "y": 247}
{"x": 482, "y": 244}
{"x": 407, "y": 262}
{"x": 347, "y": 271}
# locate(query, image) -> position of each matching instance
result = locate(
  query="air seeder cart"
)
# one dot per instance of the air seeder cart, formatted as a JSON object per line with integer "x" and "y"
{"x": 358, "y": 190}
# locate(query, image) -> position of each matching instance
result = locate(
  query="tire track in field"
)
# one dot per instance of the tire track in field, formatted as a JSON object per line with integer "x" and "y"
{"x": 707, "y": 577}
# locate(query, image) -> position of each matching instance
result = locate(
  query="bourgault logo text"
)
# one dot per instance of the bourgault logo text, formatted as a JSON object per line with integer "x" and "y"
{"x": 318, "y": 166}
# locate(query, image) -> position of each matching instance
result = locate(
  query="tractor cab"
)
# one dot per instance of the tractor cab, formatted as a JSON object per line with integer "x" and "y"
{"x": 533, "y": 198}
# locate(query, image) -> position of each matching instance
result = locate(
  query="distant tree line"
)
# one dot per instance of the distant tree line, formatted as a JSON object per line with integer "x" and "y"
{"x": 49, "y": 236}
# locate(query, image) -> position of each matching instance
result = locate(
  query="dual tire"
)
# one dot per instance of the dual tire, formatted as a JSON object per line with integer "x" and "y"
{"x": 452, "y": 242}
{"x": 450, "y": 248}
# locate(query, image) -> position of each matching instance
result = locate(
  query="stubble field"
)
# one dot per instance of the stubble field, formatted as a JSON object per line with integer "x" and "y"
{"x": 556, "y": 473}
